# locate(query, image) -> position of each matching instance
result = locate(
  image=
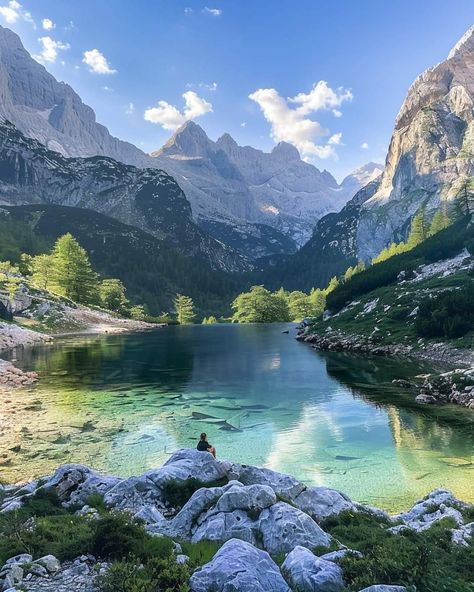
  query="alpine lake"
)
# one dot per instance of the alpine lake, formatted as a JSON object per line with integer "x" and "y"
{"x": 122, "y": 403}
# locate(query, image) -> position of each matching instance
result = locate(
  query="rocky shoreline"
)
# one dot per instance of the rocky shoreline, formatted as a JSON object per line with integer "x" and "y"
{"x": 455, "y": 386}
{"x": 256, "y": 514}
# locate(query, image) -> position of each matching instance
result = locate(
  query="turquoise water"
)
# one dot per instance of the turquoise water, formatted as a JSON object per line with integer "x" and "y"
{"x": 122, "y": 403}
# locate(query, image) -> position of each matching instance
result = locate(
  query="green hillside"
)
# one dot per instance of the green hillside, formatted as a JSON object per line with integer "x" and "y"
{"x": 151, "y": 270}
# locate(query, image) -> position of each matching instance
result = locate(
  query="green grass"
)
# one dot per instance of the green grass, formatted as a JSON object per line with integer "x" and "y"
{"x": 427, "y": 561}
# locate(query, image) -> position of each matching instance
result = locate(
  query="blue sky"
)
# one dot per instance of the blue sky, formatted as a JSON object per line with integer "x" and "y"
{"x": 222, "y": 52}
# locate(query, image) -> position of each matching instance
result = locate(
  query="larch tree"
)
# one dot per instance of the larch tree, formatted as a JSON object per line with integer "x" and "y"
{"x": 184, "y": 308}
{"x": 73, "y": 275}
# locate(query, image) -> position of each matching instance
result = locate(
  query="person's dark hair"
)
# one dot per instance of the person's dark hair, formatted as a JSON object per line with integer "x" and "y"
{"x": 203, "y": 436}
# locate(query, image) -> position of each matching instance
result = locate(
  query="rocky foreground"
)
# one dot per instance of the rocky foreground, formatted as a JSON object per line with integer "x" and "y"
{"x": 269, "y": 525}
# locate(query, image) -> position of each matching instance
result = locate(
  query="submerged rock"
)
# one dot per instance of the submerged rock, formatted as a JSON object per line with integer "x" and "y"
{"x": 239, "y": 566}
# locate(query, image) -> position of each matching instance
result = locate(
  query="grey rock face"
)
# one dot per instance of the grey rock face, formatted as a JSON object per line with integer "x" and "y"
{"x": 284, "y": 527}
{"x": 429, "y": 161}
{"x": 50, "y": 111}
{"x": 146, "y": 198}
{"x": 239, "y": 566}
{"x": 307, "y": 573}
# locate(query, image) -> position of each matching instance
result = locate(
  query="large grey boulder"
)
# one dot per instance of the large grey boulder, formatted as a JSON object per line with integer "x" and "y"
{"x": 283, "y": 485}
{"x": 283, "y": 527}
{"x": 322, "y": 502}
{"x": 307, "y": 573}
{"x": 254, "y": 497}
{"x": 239, "y": 567}
{"x": 222, "y": 526}
{"x": 198, "y": 504}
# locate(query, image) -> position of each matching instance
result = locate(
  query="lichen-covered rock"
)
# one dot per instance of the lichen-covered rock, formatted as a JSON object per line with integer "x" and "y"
{"x": 322, "y": 502}
{"x": 283, "y": 527}
{"x": 239, "y": 566}
{"x": 307, "y": 573}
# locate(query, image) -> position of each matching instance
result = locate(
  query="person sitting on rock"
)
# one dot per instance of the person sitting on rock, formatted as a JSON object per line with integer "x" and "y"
{"x": 204, "y": 446}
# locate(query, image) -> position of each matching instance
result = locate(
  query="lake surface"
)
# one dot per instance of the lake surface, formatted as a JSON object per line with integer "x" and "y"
{"x": 122, "y": 403}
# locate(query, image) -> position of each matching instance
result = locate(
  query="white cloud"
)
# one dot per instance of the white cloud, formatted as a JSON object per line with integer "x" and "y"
{"x": 50, "y": 49}
{"x": 48, "y": 24}
{"x": 170, "y": 117}
{"x": 212, "y": 86}
{"x": 13, "y": 11}
{"x": 130, "y": 109}
{"x": 212, "y": 11}
{"x": 243, "y": 124}
{"x": 97, "y": 62}
{"x": 293, "y": 124}
{"x": 337, "y": 113}
{"x": 107, "y": 88}
{"x": 364, "y": 146}
{"x": 188, "y": 11}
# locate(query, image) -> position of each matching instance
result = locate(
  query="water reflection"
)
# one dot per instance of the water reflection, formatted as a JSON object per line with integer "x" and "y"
{"x": 122, "y": 403}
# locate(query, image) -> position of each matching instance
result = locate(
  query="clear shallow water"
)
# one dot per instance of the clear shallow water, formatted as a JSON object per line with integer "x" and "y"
{"x": 122, "y": 403}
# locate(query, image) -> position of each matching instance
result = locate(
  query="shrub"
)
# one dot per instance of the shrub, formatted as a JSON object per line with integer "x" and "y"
{"x": 164, "y": 575}
{"x": 428, "y": 560}
{"x": 200, "y": 553}
{"x": 118, "y": 535}
{"x": 449, "y": 314}
{"x": 177, "y": 493}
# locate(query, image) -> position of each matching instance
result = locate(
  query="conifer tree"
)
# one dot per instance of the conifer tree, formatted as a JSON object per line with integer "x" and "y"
{"x": 184, "y": 308}
{"x": 112, "y": 295}
{"x": 333, "y": 284}
{"x": 439, "y": 222}
{"x": 72, "y": 273}
{"x": 418, "y": 229}
{"x": 41, "y": 270}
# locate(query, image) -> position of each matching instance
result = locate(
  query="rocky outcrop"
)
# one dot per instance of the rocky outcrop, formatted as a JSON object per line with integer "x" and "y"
{"x": 248, "y": 519}
{"x": 47, "y": 574}
{"x": 455, "y": 386}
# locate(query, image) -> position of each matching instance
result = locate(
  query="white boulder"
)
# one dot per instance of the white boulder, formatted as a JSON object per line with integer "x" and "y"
{"x": 238, "y": 566}
{"x": 307, "y": 573}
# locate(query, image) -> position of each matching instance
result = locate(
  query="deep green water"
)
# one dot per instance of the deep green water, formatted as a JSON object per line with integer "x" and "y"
{"x": 122, "y": 403}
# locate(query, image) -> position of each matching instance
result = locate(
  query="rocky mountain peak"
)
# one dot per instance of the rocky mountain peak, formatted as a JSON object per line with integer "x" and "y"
{"x": 189, "y": 140}
{"x": 465, "y": 44}
{"x": 286, "y": 151}
{"x": 227, "y": 142}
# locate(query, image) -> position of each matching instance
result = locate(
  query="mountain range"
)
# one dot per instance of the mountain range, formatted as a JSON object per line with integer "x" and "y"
{"x": 258, "y": 203}
{"x": 235, "y": 208}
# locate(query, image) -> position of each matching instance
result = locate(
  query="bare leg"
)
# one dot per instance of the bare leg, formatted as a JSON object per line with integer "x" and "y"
{"x": 212, "y": 450}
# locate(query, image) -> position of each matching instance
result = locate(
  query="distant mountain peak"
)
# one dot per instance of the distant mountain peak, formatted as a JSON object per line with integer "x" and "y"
{"x": 466, "y": 43}
{"x": 286, "y": 150}
{"x": 226, "y": 141}
{"x": 189, "y": 140}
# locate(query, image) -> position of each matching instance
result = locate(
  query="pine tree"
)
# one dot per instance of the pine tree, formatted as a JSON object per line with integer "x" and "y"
{"x": 418, "y": 229}
{"x": 72, "y": 273}
{"x": 184, "y": 307}
{"x": 439, "y": 222}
